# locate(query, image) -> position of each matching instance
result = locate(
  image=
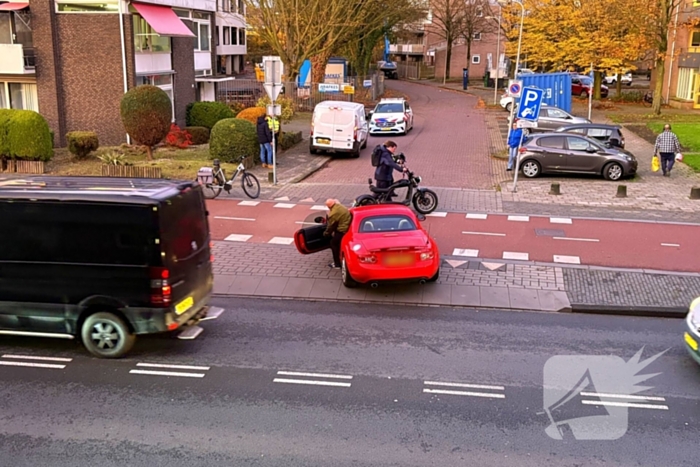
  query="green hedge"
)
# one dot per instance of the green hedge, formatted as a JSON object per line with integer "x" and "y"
{"x": 24, "y": 134}
{"x": 290, "y": 139}
{"x": 207, "y": 114}
{"x": 200, "y": 134}
{"x": 233, "y": 138}
{"x": 82, "y": 143}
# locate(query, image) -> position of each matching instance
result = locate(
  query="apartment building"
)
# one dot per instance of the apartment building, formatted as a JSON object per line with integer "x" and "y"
{"x": 72, "y": 60}
{"x": 682, "y": 81}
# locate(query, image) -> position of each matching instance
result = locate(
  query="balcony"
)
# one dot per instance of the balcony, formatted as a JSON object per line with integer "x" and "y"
{"x": 408, "y": 49}
{"x": 15, "y": 59}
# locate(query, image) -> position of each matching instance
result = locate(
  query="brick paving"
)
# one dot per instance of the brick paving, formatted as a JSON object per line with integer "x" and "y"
{"x": 448, "y": 146}
{"x": 612, "y": 289}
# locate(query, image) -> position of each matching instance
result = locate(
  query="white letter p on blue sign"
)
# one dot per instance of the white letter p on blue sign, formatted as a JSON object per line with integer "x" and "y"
{"x": 530, "y": 96}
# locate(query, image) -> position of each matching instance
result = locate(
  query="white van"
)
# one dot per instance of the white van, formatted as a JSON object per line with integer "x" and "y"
{"x": 339, "y": 126}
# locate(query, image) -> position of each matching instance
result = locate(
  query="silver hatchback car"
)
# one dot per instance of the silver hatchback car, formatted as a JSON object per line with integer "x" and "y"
{"x": 575, "y": 154}
{"x": 552, "y": 118}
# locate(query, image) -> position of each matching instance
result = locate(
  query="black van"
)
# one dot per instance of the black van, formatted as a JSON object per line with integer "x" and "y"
{"x": 102, "y": 259}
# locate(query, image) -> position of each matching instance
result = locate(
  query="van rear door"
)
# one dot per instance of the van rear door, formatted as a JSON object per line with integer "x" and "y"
{"x": 185, "y": 236}
{"x": 344, "y": 128}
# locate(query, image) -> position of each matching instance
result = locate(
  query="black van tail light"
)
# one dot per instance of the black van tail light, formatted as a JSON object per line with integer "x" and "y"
{"x": 161, "y": 292}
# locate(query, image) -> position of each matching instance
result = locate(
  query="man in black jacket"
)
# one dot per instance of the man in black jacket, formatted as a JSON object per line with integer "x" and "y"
{"x": 384, "y": 173}
{"x": 265, "y": 140}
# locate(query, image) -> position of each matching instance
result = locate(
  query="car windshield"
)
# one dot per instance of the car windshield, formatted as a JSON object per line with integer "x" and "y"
{"x": 586, "y": 81}
{"x": 389, "y": 108}
{"x": 387, "y": 224}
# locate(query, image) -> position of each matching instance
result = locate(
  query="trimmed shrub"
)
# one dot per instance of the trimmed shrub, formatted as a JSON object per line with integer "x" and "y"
{"x": 146, "y": 113}
{"x": 237, "y": 107}
{"x": 178, "y": 138}
{"x": 628, "y": 96}
{"x": 233, "y": 138}
{"x": 289, "y": 139}
{"x": 5, "y": 115}
{"x": 251, "y": 114}
{"x": 200, "y": 134}
{"x": 82, "y": 143}
{"x": 28, "y": 137}
{"x": 286, "y": 103}
{"x": 206, "y": 114}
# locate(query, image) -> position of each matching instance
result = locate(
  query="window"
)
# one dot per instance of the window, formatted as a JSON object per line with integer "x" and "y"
{"x": 69, "y": 232}
{"x": 20, "y": 96}
{"x": 216, "y": 36}
{"x": 577, "y": 144}
{"x": 241, "y": 36}
{"x": 694, "y": 41}
{"x": 387, "y": 224}
{"x": 685, "y": 83}
{"x": 556, "y": 113}
{"x": 241, "y": 8}
{"x": 89, "y": 6}
{"x": 476, "y": 59}
{"x": 389, "y": 108}
{"x": 146, "y": 39}
{"x": 234, "y": 36}
{"x": 599, "y": 133}
{"x": 479, "y": 13}
{"x": 227, "y": 35}
{"x": 5, "y": 28}
{"x": 477, "y": 36}
{"x": 554, "y": 142}
{"x": 201, "y": 33}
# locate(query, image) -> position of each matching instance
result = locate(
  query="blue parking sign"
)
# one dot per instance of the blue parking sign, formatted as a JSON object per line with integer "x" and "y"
{"x": 530, "y": 104}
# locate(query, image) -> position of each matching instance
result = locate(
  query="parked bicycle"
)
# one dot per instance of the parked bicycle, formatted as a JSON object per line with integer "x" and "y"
{"x": 213, "y": 180}
{"x": 648, "y": 98}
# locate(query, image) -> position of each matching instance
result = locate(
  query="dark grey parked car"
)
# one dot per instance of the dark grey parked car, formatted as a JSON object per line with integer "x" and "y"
{"x": 611, "y": 134}
{"x": 568, "y": 153}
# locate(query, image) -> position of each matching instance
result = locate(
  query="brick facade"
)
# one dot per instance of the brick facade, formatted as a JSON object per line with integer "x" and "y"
{"x": 79, "y": 71}
{"x": 487, "y": 44}
{"x": 184, "y": 87}
{"x": 92, "y": 73}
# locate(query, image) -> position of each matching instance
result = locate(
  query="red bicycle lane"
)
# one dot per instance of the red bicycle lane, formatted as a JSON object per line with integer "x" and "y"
{"x": 622, "y": 244}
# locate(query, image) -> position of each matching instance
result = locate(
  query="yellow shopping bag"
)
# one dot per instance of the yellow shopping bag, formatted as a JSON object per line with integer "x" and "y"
{"x": 655, "y": 165}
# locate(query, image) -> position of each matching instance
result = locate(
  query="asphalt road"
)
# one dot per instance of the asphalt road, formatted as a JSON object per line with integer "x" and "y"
{"x": 609, "y": 243}
{"x": 235, "y": 408}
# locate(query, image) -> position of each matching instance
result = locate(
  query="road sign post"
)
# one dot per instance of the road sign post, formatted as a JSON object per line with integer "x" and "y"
{"x": 272, "y": 67}
{"x": 515, "y": 87}
{"x": 528, "y": 114}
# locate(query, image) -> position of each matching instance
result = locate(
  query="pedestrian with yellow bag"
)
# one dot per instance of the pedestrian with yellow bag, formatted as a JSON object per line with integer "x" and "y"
{"x": 667, "y": 146}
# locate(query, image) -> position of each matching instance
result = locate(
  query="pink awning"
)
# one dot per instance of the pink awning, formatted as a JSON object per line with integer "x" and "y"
{"x": 163, "y": 20}
{"x": 13, "y": 6}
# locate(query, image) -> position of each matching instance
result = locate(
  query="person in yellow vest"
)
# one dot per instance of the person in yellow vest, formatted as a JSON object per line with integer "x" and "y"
{"x": 275, "y": 128}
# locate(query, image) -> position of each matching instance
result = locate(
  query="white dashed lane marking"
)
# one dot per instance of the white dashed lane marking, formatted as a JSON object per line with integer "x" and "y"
{"x": 560, "y": 220}
{"x": 31, "y": 357}
{"x": 676, "y": 245}
{"x": 238, "y": 238}
{"x": 516, "y": 255}
{"x": 281, "y": 240}
{"x": 437, "y": 214}
{"x": 464, "y": 252}
{"x": 319, "y": 207}
{"x": 26, "y": 364}
{"x": 234, "y": 218}
{"x": 453, "y": 392}
{"x": 249, "y": 203}
{"x": 577, "y": 239}
{"x": 284, "y": 205}
{"x": 491, "y": 234}
{"x": 519, "y": 218}
{"x": 567, "y": 259}
{"x": 312, "y": 382}
{"x": 477, "y": 216}
{"x": 180, "y": 374}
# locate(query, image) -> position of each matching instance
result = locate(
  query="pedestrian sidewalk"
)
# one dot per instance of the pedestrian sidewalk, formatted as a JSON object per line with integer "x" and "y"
{"x": 264, "y": 270}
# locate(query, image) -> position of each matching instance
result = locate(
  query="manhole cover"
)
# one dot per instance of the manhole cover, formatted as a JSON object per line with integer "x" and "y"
{"x": 549, "y": 233}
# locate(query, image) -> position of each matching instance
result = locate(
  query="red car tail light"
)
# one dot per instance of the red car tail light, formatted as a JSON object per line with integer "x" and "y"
{"x": 161, "y": 292}
{"x": 522, "y": 150}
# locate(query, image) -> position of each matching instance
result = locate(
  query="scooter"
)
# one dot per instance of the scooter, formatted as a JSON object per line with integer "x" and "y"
{"x": 424, "y": 200}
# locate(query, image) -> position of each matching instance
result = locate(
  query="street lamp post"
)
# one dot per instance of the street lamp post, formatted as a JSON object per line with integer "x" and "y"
{"x": 498, "y": 56}
{"x": 517, "y": 58}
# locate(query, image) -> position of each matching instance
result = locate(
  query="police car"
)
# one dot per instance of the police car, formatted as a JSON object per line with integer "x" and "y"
{"x": 391, "y": 116}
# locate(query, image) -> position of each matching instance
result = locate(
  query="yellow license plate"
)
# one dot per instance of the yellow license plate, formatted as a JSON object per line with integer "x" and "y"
{"x": 323, "y": 141}
{"x": 386, "y": 129}
{"x": 184, "y": 305}
{"x": 400, "y": 260}
{"x": 691, "y": 342}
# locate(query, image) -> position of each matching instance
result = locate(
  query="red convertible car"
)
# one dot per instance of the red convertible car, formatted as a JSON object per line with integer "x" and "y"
{"x": 385, "y": 243}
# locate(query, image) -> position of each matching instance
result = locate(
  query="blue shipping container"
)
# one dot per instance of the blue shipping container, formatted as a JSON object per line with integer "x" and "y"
{"x": 556, "y": 87}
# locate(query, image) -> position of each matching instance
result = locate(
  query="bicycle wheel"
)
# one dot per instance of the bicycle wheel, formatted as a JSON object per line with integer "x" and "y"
{"x": 251, "y": 185}
{"x": 648, "y": 99}
{"x": 212, "y": 190}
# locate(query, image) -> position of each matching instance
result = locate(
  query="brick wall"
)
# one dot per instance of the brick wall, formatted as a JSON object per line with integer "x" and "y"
{"x": 46, "y": 77}
{"x": 184, "y": 90}
{"x": 486, "y": 45}
{"x": 91, "y": 72}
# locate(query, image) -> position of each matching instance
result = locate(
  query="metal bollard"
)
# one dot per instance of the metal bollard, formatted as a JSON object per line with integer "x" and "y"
{"x": 555, "y": 189}
{"x": 271, "y": 177}
{"x": 695, "y": 192}
{"x": 621, "y": 191}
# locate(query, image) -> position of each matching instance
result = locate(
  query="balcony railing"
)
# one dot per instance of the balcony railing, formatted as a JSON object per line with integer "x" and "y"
{"x": 407, "y": 48}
